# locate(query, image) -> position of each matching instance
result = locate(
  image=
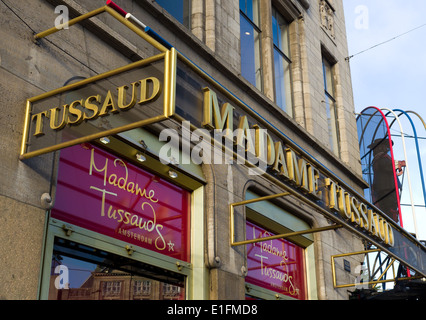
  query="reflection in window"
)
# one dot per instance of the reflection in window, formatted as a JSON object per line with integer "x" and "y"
{"x": 251, "y": 68}
{"x": 330, "y": 103}
{"x": 281, "y": 62}
{"x": 180, "y": 9}
{"x": 111, "y": 289}
{"x": 83, "y": 273}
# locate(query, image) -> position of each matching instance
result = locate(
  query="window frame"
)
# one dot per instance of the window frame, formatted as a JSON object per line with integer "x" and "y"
{"x": 95, "y": 240}
{"x": 256, "y": 27}
{"x": 277, "y": 219}
{"x": 196, "y": 277}
{"x": 331, "y": 104}
{"x": 288, "y": 98}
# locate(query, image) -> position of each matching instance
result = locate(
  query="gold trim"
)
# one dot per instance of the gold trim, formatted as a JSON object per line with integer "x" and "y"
{"x": 26, "y": 127}
{"x": 374, "y": 283}
{"x": 98, "y": 77}
{"x": 279, "y": 236}
{"x": 69, "y": 23}
{"x": 113, "y": 13}
{"x": 170, "y": 79}
{"x": 169, "y": 75}
{"x": 130, "y": 126}
{"x": 278, "y": 182}
{"x": 287, "y": 235}
{"x": 91, "y": 137}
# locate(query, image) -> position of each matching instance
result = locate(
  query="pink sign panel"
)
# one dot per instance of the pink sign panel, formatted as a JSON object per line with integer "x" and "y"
{"x": 103, "y": 193}
{"x": 276, "y": 265}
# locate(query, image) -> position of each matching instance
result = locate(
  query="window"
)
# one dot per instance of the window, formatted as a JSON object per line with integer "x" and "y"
{"x": 278, "y": 268}
{"x": 281, "y": 62}
{"x": 180, "y": 9}
{"x": 251, "y": 67}
{"x": 111, "y": 289}
{"x": 80, "y": 272}
{"x": 330, "y": 103}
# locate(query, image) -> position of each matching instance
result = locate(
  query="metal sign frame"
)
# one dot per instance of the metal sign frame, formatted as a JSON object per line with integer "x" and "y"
{"x": 278, "y": 236}
{"x": 169, "y": 57}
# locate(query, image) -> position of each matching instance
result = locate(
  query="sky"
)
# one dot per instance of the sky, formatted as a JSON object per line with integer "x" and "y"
{"x": 392, "y": 75}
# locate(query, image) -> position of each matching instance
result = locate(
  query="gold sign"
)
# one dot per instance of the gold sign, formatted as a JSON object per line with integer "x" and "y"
{"x": 205, "y": 103}
{"x": 284, "y": 162}
{"x": 135, "y": 95}
{"x": 95, "y": 106}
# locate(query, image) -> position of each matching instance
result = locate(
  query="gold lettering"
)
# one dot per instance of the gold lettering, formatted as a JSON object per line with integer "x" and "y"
{"x": 244, "y": 133}
{"x": 92, "y": 107}
{"x": 92, "y": 165}
{"x": 382, "y": 230}
{"x": 54, "y": 115}
{"x": 223, "y": 119}
{"x": 280, "y": 164}
{"x": 364, "y": 219}
{"x": 344, "y": 203}
{"x": 355, "y": 212}
{"x": 122, "y": 97}
{"x": 76, "y": 112}
{"x": 297, "y": 170}
{"x": 314, "y": 176}
{"x": 270, "y": 150}
{"x": 156, "y": 89}
{"x": 373, "y": 223}
{"x": 260, "y": 145}
{"x": 332, "y": 194}
{"x": 160, "y": 237}
{"x": 391, "y": 240}
{"x": 39, "y": 122}
{"x": 103, "y": 199}
{"x": 124, "y": 180}
{"x": 109, "y": 103}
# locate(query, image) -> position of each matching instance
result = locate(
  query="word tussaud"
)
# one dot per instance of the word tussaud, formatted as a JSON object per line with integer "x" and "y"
{"x": 94, "y": 106}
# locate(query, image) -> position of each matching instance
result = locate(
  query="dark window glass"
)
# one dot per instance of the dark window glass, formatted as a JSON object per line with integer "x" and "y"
{"x": 330, "y": 103}
{"x": 251, "y": 67}
{"x": 80, "y": 272}
{"x": 180, "y": 9}
{"x": 282, "y": 72}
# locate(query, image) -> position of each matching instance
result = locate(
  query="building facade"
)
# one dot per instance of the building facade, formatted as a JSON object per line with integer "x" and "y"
{"x": 112, "y": 181}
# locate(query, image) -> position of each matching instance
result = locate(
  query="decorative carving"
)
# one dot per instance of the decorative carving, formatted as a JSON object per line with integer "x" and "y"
{"x": 327, "y": 17}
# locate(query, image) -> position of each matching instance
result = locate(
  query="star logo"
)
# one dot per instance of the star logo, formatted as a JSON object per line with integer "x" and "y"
{"x": 171, "y": 246}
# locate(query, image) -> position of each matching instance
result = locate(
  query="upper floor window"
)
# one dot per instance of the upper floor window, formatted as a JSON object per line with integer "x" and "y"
{"x": 330, "y": 102}
{"x": 251, "y": 67}
{"x": 282, "y": 72}
{"x": 180, "y": 9}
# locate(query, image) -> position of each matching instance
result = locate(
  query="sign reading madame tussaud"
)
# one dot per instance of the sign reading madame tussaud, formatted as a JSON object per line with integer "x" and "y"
{"x": 116, "y": 101}
{"x": 205, "y": 104}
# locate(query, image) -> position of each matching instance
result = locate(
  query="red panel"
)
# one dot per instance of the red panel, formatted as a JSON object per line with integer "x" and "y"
{"x": 276, "y": 265}
{"x": 106, "y": 194}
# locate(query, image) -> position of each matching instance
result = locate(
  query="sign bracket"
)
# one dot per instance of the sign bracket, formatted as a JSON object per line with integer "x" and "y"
{"x": 279, "y": 236}
{"x": 372, "y": 271}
